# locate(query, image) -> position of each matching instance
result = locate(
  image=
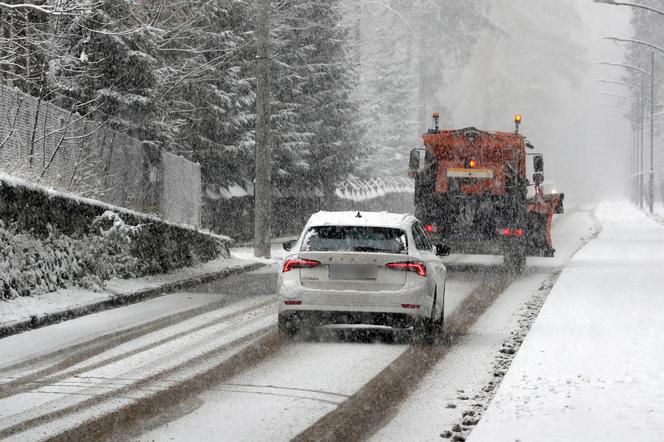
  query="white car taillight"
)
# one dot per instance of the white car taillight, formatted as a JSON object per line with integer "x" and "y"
{"x": 297, "y": 263}
{"x": 409, "y": 266}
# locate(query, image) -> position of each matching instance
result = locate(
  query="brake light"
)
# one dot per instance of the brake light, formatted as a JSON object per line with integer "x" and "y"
{"x": 297, "y": 263}
{"x": 429, "y": 227}
{"x": 409, "y": 266}
{"x": 432, "y": 228}
{"x": 506, "y": 231}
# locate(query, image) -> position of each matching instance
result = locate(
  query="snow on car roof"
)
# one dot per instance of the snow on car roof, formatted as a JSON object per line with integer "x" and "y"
{"x": 381, "y": 219}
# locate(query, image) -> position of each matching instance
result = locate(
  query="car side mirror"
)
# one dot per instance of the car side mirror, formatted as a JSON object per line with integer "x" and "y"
{"x": 289, "y": 244}
{"x": 417, "y": 161}
{"x": 538, "y": 163}
{"x": 443, "y": 249}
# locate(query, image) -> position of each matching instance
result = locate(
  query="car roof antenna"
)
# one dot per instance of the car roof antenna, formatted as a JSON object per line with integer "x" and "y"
{"x": 359, "y": 215}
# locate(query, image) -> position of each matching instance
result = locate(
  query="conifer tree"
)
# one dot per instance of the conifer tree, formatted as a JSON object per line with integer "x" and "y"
{"x": 316, "y": 125}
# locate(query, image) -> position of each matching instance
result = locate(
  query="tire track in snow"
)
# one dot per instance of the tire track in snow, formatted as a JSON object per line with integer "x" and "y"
{"x": 265, "y": 342}
{"x": 84, "y": 350}
{"x": 469, "y": 418}
{"x": 366, "y": 410}
{"x": 68, "y": 356}
{"x": 373, "y": 405}
{"x": 59, "y": 371}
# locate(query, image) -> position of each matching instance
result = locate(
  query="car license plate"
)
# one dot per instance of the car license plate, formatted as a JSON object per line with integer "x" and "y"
{"x": 356, "y": 271}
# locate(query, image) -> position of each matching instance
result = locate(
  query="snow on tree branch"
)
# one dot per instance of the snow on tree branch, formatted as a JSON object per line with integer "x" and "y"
{"x": 67, "y": 8}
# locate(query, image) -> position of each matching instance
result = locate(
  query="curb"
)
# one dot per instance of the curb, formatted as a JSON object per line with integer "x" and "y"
{"x": 120, "y": 299}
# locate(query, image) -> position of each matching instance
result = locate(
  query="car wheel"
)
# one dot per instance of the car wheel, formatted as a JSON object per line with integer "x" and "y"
{"x": 426, "y": 330}
{"x": 440, "y": 324}
{"x": 287, "y": 327}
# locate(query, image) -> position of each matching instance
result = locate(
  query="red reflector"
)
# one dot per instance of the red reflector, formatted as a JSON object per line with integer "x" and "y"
{"x": 410, "y": 266}
{"x": 511, "y": 232}
{"x": 297, "y": 263}
{"x": 293, "y": 302}
{"x": 410, "y": 305}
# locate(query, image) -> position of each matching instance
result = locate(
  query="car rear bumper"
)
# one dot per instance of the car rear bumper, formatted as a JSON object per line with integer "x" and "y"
{"x": 412, "y": 302}
{"x": 314, "y": 318}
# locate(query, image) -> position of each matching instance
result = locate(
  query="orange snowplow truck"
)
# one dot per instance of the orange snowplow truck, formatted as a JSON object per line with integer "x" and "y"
{"x": 472, "y": 192}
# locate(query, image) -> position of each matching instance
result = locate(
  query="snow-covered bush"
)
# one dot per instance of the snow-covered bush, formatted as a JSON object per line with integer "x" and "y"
{"x": 33, "y": 266}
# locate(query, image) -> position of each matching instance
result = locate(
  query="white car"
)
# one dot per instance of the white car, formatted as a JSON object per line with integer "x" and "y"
{"x": 363, "y": 268}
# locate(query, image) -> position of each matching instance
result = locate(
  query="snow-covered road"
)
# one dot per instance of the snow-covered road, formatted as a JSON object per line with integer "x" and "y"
{"x": 462, "y": 381}
{"x": 55, "y": 377}
{"x": 281, "y": 397}
{"x": 285, "y": 394}
{"x": 214, "y": 351}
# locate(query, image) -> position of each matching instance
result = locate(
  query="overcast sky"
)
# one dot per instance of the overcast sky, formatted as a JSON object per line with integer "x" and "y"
{"x": 543, "y": 65}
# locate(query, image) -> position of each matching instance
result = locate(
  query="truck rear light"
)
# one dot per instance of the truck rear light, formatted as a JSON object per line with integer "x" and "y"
{"x": 293, "y": 302}
{"x": 297, "y": 263}
{"x": 506, "y": 231}
{"x": 409, "y": 266}
{"x": 410, "y": 306}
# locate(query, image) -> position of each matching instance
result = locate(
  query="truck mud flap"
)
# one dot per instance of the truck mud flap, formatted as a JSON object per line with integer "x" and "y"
{"x": 538, "y": 239}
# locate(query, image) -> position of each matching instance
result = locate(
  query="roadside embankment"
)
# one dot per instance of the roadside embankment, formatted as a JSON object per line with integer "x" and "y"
{"x": 51, "y": 240}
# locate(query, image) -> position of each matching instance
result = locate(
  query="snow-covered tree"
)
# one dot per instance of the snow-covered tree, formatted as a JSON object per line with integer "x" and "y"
{"x": 315, "y": 117}
{"x": 406, "y": 51}
{"x": 648, "y": 27}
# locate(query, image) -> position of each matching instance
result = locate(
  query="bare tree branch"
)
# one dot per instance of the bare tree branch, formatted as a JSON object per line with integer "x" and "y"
{"x": 67, "y": 8}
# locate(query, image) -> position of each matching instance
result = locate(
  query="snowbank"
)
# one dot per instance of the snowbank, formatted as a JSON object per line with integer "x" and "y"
{"x": 592, "y": 367}
{"x": 73, "y": 302}
{"x": 50, "y": 240}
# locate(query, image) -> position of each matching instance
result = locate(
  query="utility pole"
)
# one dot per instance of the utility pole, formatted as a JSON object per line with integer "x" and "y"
{"x": 651, "y": 183}
{"x": 263, "y": 151}
{"x": 643, "y": 125}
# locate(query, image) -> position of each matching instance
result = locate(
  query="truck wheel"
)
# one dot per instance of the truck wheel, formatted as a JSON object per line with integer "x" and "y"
{"x": 515, "y": 262}
{"x": 287, "y": 327}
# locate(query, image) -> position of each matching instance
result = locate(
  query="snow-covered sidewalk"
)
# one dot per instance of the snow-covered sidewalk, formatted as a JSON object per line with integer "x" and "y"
{"x": 28, "y": 312}
{"x": 592, "y": 366}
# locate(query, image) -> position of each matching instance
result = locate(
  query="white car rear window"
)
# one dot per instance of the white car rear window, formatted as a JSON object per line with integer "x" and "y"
{"x": 355, "y": 239}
